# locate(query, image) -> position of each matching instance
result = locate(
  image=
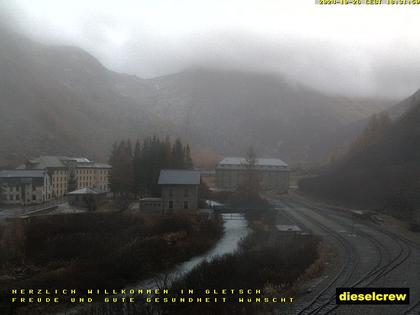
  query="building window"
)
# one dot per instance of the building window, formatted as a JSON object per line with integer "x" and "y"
{"x": 171, "y": 193}
{"x": 185, "y": 204}
{"x": 170, "y": 204}
{"x": 186, "y": 192}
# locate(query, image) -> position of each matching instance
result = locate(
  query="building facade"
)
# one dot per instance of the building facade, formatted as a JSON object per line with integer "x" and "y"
{"x": 179, "y": 189}
{"x": 273, "y": 174}
{"x": 86, "y": 198}
{"x": 151, "y": 205}
{"x": 63, "y": 170}
{"x": 24, "y": 187}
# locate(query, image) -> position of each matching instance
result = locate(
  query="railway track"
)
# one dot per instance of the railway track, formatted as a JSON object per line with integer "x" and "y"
{"x": 403, "y": 245}
{"x": 344, "y": 274}
{"x": 405, "y": 250}
{"x": 324, "y": 301}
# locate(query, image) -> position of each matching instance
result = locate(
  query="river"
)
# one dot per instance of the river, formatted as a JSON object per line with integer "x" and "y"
{"x": 235, "y": 229}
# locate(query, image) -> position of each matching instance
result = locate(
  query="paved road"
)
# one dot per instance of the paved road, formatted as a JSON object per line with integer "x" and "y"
{"x": 367, "y": 256}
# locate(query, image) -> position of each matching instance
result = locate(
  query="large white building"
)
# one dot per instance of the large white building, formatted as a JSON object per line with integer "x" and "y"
{"x": 86, "y": 173}
{"x": 272, "y": 173}
{"x": 24, "y": 187}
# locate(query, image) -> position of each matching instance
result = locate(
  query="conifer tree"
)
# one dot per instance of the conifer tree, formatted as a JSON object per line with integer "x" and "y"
{"x": 188, "y": 163}
{"x": 137, "y": 168}
{"x": 138, "y": 171}
{"x": 72, "y": 182}
{"x": 178, "y": 154}
{"x": 122, "y": 169}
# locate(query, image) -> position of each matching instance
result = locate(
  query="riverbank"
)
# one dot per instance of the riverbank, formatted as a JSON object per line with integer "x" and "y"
{"x": 265, "y": 261}
{"x": 261, "y": 276}
{"x": 234, "y": 231}
{"x": 98, "y": 250}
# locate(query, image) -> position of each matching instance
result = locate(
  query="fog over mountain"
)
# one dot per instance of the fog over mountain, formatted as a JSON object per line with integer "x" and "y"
{"x": 61, "y": 100}
{"x": 369, "y": 51}
{"x": 231, "y": 110}
{"x": 65, "y": 102}
{"x": 222, "y": 75}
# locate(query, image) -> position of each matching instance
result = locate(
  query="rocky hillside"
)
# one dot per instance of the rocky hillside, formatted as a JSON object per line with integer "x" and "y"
{"x": 232, "y": 110}
{"x": 61, "y": 100}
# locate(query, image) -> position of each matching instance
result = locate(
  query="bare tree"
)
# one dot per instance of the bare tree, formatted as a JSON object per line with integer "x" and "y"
{"x": 251, "y": 178}
{"x": 248, "y": 192}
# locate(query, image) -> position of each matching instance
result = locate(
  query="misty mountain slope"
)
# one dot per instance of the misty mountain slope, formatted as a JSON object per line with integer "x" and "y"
{"x": 232, "y": 110}
{"x": 345, "y": 136}
{"x": 61, "y": 100}
{"x": 404, "y": 106}
{"x": 384, "y": 176}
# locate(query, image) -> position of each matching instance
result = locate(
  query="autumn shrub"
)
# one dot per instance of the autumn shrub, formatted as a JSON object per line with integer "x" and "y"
{"x": 264, "y": 259}
{"x": 99, "y": 250}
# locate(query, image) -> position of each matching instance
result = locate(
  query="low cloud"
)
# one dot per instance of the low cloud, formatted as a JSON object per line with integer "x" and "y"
{"x": 338, "y": 50}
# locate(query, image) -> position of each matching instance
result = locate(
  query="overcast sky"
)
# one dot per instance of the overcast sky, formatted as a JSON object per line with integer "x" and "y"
{"x": 364, "y": 50}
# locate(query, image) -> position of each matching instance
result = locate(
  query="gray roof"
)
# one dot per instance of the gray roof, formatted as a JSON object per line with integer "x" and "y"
{"x": 93, "y": 165}
{"x": 179, "y": 177}
{"x": 84, "y": 191}
{"x": 52, "y": 161}
{"x": 46, "y": 161}
{"x": 77, "y": 159}
{"x": 22, "y": 173}
{"x": 236, "y": 161}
